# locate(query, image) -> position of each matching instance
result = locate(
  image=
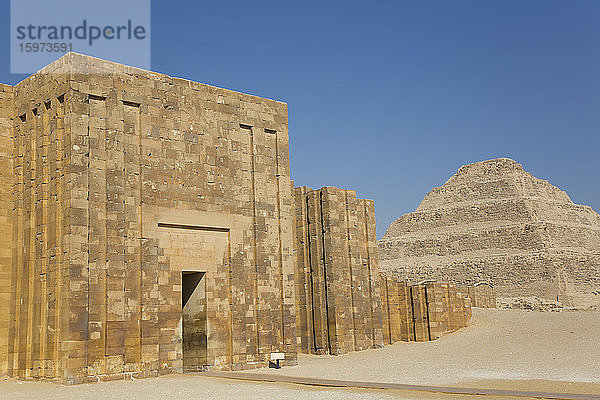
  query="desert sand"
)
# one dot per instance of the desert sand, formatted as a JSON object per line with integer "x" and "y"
{"x": 501, "y": 349}
{"x": 498, "y": 344}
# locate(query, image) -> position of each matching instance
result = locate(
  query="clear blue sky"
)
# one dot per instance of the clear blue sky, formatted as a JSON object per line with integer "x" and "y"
{"x": 391, "y": 98}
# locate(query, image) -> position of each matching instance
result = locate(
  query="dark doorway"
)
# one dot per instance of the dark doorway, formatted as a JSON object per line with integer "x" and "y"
{"x": 193, "y": 303}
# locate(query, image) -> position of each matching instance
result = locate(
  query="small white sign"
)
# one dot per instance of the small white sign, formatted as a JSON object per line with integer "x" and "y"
{"x": 277, "y": 356}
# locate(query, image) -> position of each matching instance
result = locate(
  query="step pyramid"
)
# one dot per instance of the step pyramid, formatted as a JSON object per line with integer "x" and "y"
{"x": 493, "y": 221}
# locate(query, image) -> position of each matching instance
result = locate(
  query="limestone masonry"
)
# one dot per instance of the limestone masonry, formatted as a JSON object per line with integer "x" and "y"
{"x": 421, "y": 312}
{"x": 343, "y": 303}
{"x": 129, "y": 189}
{"x": 496, "y": 223}
{"x": 338, "y": 298}
{"x": 148, "y": 225}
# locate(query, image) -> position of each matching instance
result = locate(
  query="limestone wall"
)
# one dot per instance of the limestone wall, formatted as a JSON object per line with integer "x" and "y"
{"x": 42, "y": 328}
{"x": 482, "y": 295}
{"x": 6, "y": 207}
{"x": 337, "y": 279}
{"x": 343, "y": 303}
{"x": 421, "y": 312}
{"x": 125, "y": 179}
{"x": 397, "y": 310}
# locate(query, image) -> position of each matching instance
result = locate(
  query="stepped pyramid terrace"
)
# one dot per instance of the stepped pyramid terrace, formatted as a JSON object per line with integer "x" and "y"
{"x": 495, "y": 222}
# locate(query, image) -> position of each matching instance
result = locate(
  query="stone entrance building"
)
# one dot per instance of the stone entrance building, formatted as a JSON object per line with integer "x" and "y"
{"x": 126, "y": 192}
{"x": 148, "y": 225}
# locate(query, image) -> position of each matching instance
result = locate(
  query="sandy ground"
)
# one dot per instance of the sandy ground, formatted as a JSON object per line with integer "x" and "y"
{"x": 501, "y": 349}
{"x": 498, "y": 344}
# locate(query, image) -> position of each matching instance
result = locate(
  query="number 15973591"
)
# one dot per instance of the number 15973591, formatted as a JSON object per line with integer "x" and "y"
{"x": 34, "y": 47}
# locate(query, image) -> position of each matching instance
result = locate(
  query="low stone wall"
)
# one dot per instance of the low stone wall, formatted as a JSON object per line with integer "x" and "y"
{"x": 343, "y": 304}
{"x": 482, "y": 295}
{"x": 421, "y": 312}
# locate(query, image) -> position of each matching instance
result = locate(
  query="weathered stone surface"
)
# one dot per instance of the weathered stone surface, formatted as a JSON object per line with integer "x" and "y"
{"x": 421, "y": 312}
{"x": 122, "y": 180}
{"x": 495, "y": 222}
{"x": 482, "y": 295}
{"x": 343, "y": 303}
{"x": 6, "y": 191}
{"x": 337, "y": 279}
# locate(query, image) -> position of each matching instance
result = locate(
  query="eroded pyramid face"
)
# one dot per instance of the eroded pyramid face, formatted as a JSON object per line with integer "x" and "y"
{"x": 493, "y": 221}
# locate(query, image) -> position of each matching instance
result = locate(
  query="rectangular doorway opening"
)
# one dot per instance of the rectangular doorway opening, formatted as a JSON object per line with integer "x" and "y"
{"x": 193, "y": 303}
